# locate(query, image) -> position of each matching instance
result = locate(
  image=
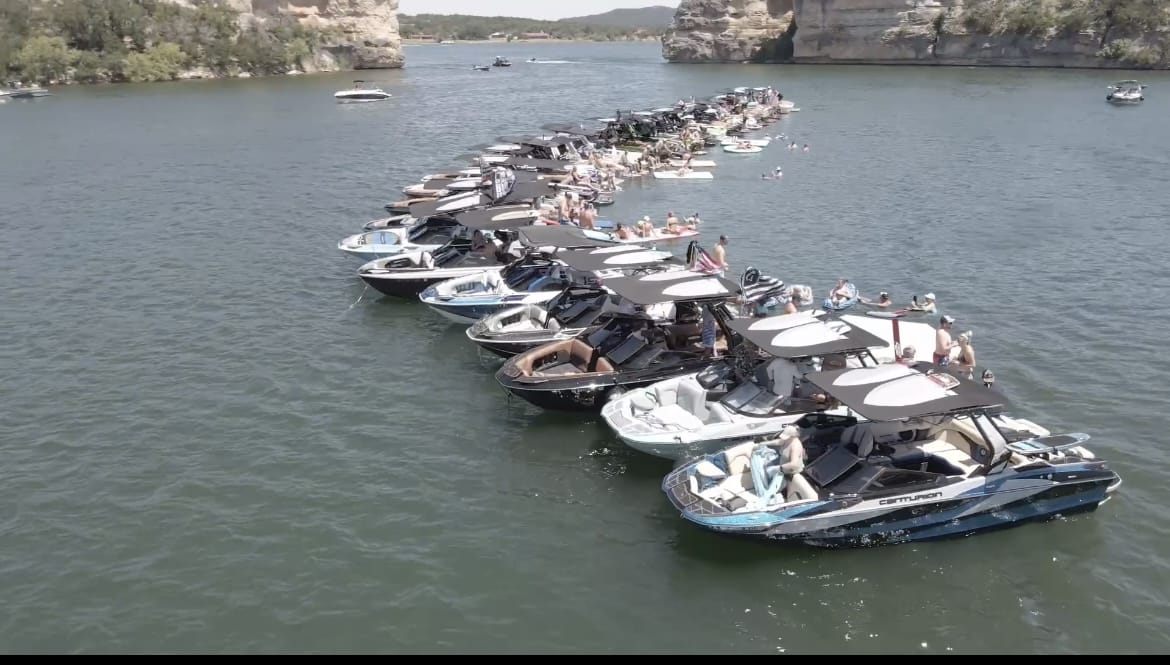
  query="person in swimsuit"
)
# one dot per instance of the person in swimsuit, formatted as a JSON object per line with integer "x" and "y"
{"x": 943, "y": 342}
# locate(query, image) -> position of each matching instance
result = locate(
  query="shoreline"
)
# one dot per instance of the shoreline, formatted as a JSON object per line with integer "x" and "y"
{"x": 504, "y": 42}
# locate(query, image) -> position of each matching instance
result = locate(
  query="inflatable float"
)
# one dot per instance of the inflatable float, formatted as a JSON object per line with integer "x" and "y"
{"x": 746, "y": 150}
{"x": 675, "y": 175}
{"x": 850, "y": 301}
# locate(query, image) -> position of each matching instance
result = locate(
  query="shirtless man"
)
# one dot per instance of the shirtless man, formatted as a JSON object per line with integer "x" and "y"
{"x": 943, "y": 342}
{"x": 720, "y": 254}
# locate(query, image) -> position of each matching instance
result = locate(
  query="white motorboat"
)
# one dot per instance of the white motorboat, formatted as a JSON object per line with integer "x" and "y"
{"x": 361, "y": 92}
{"x": 742, "y": 398}
{"x": 1125, "y": 92}
{"x": 740, "y": 148}
{"x": 722, "y": 405}
{"x": 733, "y": 140}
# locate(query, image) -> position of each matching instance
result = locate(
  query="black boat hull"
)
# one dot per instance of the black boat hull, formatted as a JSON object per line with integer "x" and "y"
{"x": 401, "y": 288}
{"x": 588, "y": 394}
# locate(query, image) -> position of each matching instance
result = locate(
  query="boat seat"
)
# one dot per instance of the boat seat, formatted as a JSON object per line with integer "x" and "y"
{"x": 692, "y": 399}
{"x": 797, "y": 488}
{"x": 673, "y": 414}
{"x": 552, "y": 325}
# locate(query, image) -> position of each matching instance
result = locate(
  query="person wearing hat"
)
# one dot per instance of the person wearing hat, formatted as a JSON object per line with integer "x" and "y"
{"x": 943, "y": 342}
{"x": 929, "y": 306}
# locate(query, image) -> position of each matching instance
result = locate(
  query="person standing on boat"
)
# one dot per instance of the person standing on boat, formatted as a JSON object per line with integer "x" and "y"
{"x": 966, "y": 357}
{"x": 943, "y": 342}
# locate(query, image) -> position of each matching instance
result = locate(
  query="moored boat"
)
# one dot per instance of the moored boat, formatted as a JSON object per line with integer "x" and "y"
{"x": 931, "y": 455}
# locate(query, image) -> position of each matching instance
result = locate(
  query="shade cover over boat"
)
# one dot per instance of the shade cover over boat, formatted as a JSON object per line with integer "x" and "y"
{"x": 620, "y": 256}
{"x": 801, "y": 335}
{"x": 449, "y": 204}
{"x": 672, "y": 286}
{"x": 567, "y": 237}
{"x": 498, "y": 217}
{"x": 527, "y": 191}
{"x": 547, "y": 165}
{"x": 899, "y": 392}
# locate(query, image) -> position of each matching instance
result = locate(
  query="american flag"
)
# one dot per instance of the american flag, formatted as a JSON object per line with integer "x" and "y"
{"x": 702, "y": 262}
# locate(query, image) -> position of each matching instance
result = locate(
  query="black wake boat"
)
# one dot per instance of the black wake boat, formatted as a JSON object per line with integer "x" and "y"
{"x": 408, "y": 274}
{"x": 578, "y": 309}
{"x": 632, "y": 350}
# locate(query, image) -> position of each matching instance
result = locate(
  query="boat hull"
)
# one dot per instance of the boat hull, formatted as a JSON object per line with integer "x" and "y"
{"x": 580, "y": 393}
{"x": 959, "y": 509}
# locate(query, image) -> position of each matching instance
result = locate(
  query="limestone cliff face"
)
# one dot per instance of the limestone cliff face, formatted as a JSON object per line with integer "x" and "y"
{"x": 1048, "y": 33}
{"x": 729, "y": 31}
{"x": 362, "y": 34}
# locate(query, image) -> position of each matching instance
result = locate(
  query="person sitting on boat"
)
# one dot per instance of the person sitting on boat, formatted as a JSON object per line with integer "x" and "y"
{"x": 907, "y": 357}
{"x": 623, "y": 232}
{"x": 645, "y": 227}
{"x": 775, "y": 463}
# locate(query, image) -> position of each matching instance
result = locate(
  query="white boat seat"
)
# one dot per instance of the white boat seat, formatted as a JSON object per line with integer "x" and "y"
{"x": 692, "y": 398}
{"x": 673, "y": 414}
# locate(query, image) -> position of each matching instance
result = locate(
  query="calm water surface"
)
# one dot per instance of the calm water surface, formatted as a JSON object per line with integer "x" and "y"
{"x": 217, "y": 440}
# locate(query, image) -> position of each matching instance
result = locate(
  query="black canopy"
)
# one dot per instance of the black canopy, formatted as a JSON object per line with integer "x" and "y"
{"x": 449, "y": 204}
{"x": 549, "y": 165}
{"x": 801, "y": 335}
{"x": 898, "y": 392}
{"x": 616, "y": 257}
{"x": 526, "y": 191}
{"x": 498, "y": 217}
{"x": 672, "y": 286}
{"x": 566, "y": 237}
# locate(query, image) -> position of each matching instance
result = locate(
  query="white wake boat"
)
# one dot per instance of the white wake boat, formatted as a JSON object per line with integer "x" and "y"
{"x": 360, "y": 92}
{"x": 702, "y": 412}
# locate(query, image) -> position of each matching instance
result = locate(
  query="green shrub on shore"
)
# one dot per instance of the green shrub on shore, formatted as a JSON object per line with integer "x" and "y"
{"x": 141, "y": 40}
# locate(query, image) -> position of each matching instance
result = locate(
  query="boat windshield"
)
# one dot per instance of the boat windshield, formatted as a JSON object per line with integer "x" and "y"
{"x": 750, "y": 399}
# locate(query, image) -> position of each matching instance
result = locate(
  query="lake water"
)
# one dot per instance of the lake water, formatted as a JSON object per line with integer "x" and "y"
{"x": 216, "y": 439}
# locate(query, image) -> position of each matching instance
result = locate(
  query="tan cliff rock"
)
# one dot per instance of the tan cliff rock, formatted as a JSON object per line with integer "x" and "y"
{"x": 1047, "y": 33}
{"x": 728, "y": 30}
{"x": 361, "y": 34}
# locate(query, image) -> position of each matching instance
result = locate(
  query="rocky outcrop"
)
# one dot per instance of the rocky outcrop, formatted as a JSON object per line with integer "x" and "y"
{"x": 359, "y": 34}
{"x": 730, "y": 31}
{"x": 1047, "y": 33}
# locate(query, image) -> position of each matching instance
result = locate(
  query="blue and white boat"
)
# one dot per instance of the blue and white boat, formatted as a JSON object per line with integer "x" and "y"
{"x": 921, "y": 454}
{"x": 428, "y": 235}
{"x": 534, "y": 279}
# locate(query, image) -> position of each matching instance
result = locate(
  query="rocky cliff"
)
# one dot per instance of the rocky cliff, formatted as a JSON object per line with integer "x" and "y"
{"x": 730, "y": 31}
{"x": 360, "y": 34}
{"x": 1048, "y": 33}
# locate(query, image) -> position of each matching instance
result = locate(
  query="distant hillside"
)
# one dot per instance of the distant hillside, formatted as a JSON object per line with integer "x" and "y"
{"x": 657, "y": 17}
{"x": 463, "y": 27}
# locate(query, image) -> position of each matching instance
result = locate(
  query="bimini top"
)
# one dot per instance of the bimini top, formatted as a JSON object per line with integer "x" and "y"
{"x": 449, "y": 204}
{"x": 527, "y": 191}
{"x": 546, "y": 165}
{"x": 672, "y": 286}
{"x": 567, "y": 237}
{"x": 898, "y": 392}
{"x": 802, "y": 335}
{"x": 499, "y": 217}
{"x": 617, "y": 257}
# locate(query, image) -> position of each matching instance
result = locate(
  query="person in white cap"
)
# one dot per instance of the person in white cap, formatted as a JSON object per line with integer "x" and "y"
{"x": 928, "y": 306}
